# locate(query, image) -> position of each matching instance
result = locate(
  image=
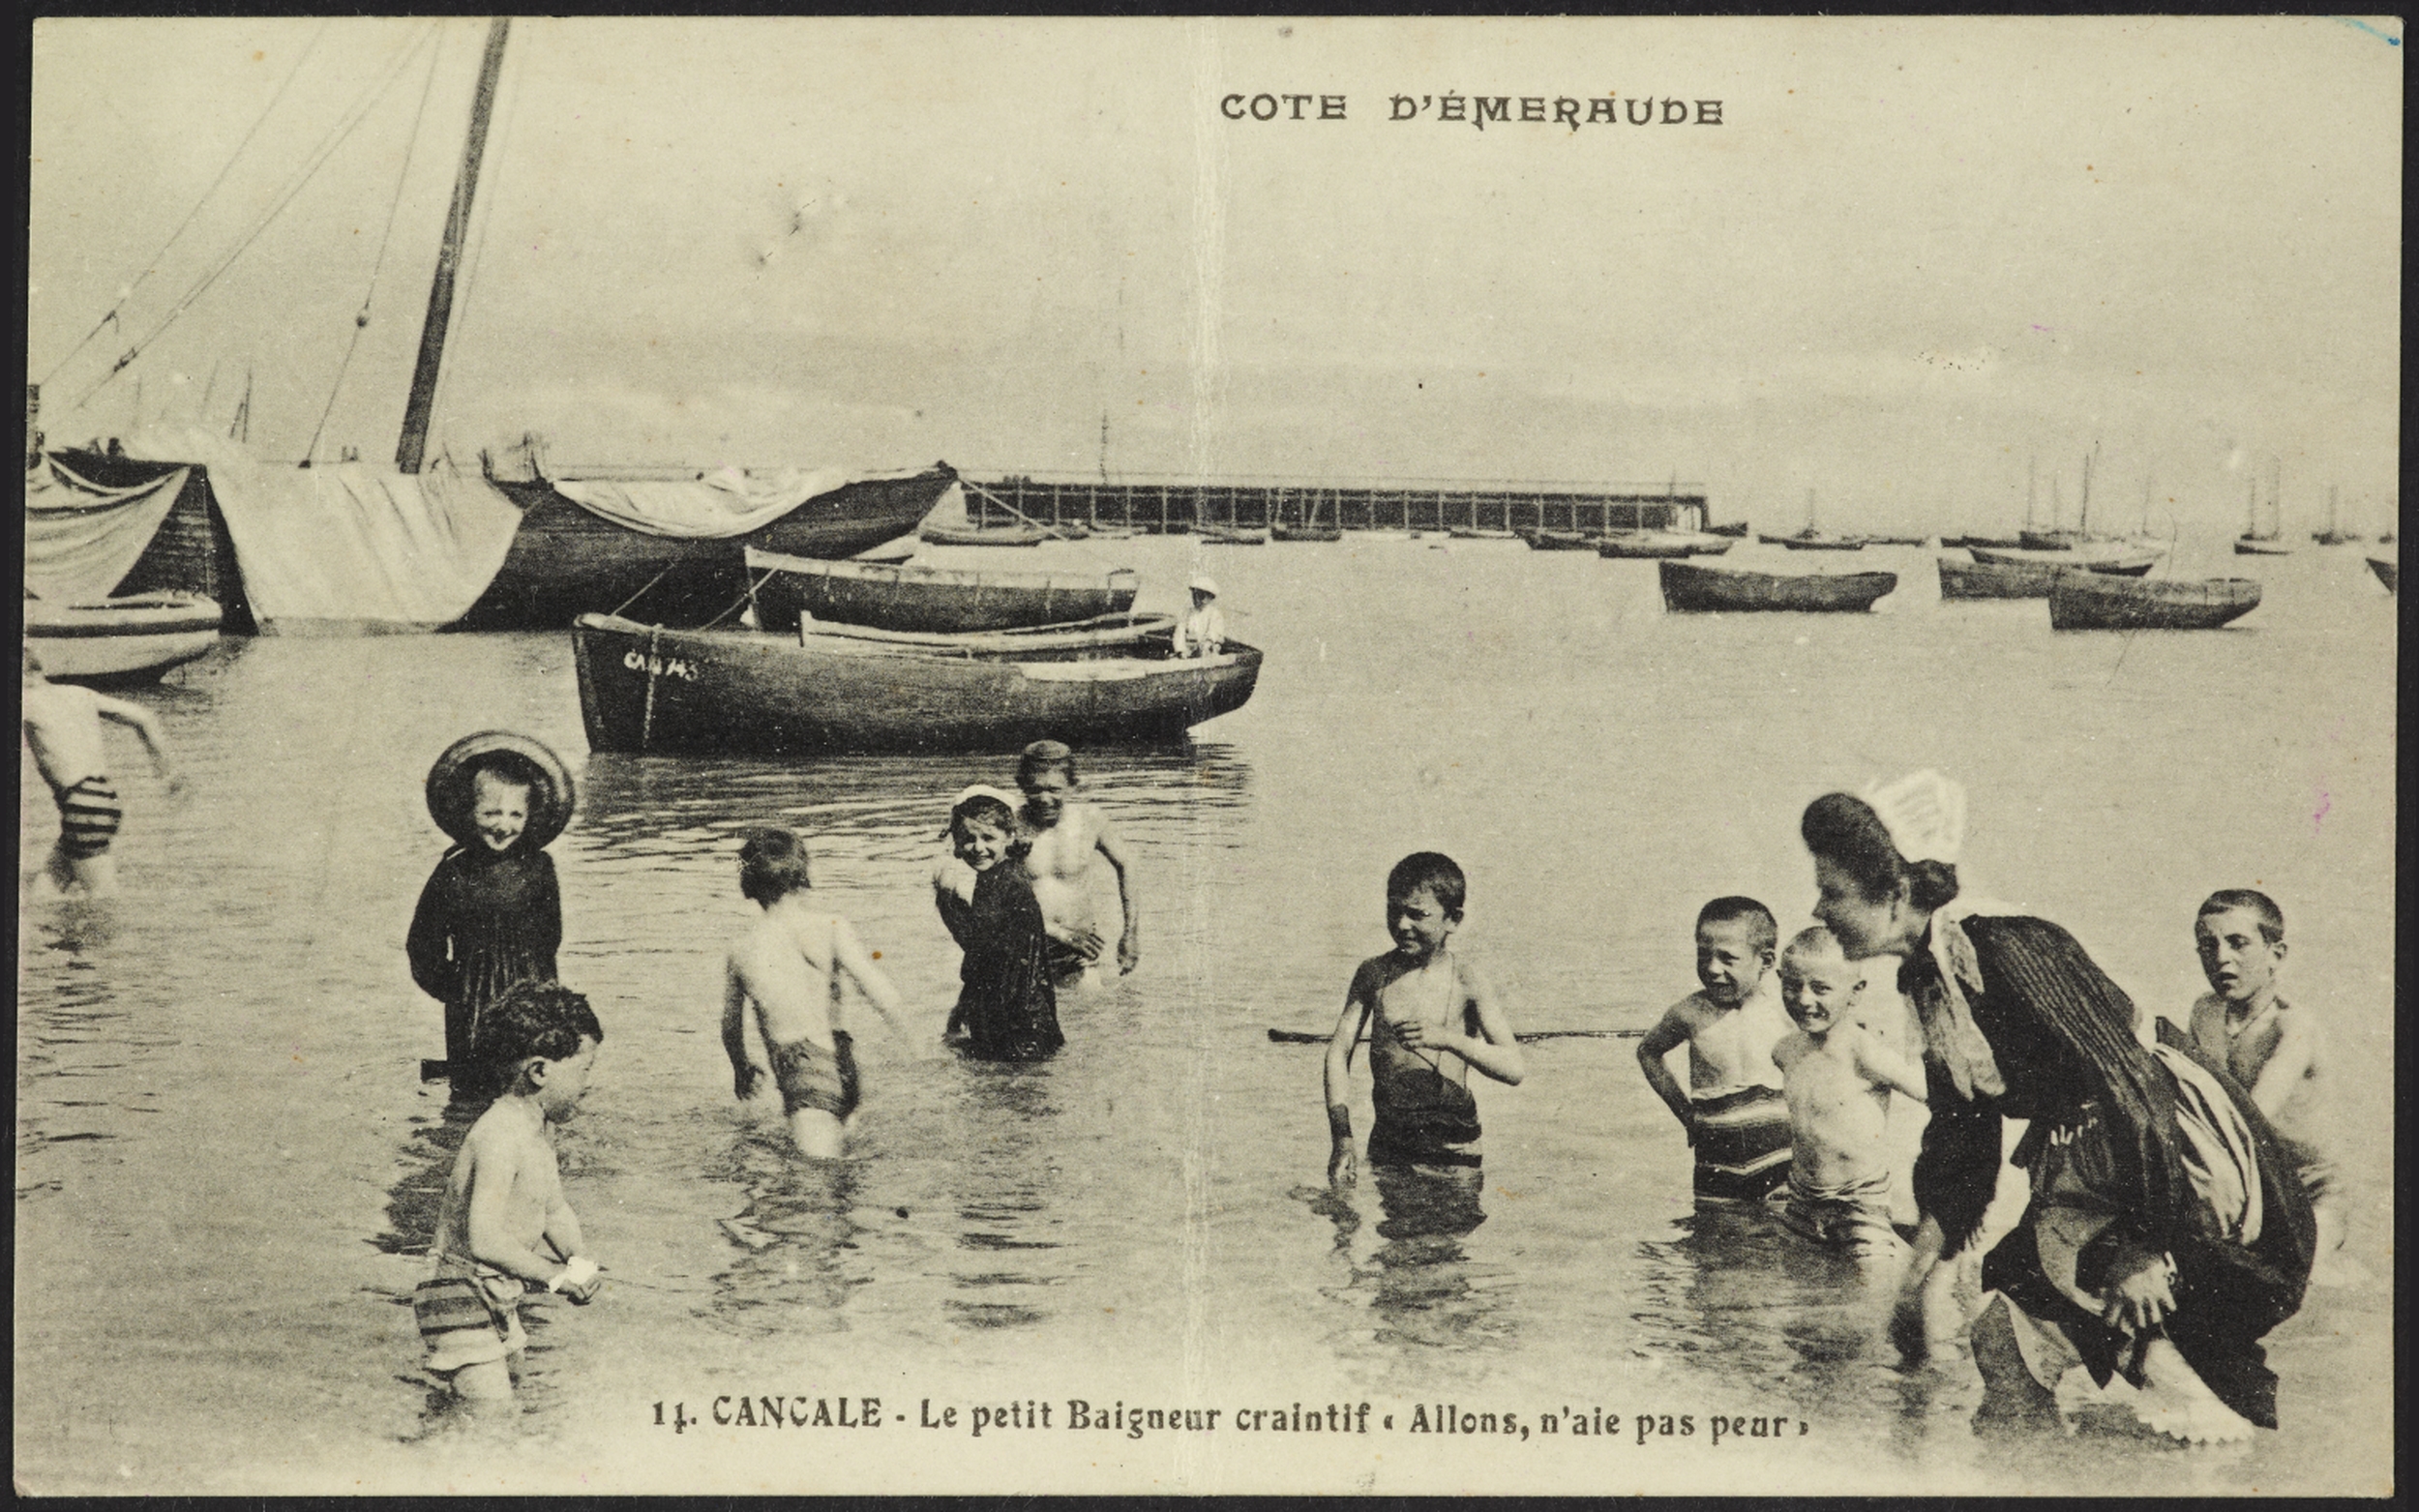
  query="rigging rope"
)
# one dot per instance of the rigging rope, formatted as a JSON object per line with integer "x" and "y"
{"x": 231, "y": 159}
{"x": 303, "y": 176}
{"x": 361, "y": 320}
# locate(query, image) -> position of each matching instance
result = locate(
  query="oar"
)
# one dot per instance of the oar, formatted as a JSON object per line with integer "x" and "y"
{"x": 1303, "y": 1037}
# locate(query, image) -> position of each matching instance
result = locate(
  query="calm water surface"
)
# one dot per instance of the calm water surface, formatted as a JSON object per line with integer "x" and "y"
{"x": 226, "y": 1172}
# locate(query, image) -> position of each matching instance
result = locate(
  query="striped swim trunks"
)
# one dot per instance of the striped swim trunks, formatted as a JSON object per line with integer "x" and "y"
{"x": 88, "y": 818}
{"x": 1742, "y": 1144}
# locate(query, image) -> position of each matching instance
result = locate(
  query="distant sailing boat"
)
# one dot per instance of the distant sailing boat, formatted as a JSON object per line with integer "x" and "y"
{"x": 1305, "y": 526}
{"x": 2332, "y": 536}
{"x": 2252, "y": 542}
{"x": 1812, "y": 539}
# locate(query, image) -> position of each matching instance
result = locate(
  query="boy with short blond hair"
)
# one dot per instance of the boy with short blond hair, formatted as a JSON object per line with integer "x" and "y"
{"x": 1732, "y": 1108}
{"x": 504, "y": 1225}
{"x": 1838, "y": 1076}
{"x": 2276, "y": 1050}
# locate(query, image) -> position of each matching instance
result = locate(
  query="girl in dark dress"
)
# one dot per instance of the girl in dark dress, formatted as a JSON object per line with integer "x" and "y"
{"x": 1008, "y": 1009}
{"x": 2164, "y": 1234}
{"x": 491, "y": 912}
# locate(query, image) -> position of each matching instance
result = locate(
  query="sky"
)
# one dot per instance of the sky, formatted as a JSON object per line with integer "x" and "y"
{"x": 1917, "y": 261}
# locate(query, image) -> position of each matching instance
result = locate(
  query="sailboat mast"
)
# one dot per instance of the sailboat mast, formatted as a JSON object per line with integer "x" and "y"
{"x": 2032, "y": 468}
{"x": 2082, "y": 518}
{"x": 414, "y": 444}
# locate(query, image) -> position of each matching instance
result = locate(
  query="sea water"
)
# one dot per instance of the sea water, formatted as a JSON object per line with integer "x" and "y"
{"x": 227, "y": 1169}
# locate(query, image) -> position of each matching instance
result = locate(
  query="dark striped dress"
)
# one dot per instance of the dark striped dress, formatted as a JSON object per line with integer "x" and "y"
{"x": 485, "y": 922}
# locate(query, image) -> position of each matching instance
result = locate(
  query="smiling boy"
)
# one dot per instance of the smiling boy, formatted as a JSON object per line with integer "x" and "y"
{"x": 1732, "y": 1108}
{"x": 1838, "y": 1078}
{"x": 1431, "y": 1017}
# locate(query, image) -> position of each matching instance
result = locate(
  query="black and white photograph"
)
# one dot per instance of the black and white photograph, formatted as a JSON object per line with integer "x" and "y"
{"x": 968, "y": 755}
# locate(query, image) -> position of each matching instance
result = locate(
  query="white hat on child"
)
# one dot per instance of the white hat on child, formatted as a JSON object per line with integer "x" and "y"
{"x": 1925, "y": 814}
{"x": 1203, "y": 583}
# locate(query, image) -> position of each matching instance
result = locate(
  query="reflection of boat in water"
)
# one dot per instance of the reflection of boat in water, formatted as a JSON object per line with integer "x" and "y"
{"x": 647, "y": 688}
{"x": 2386, "y": 572}
{"x": 933, "y": 599}
{"x": 2094, "y": 600}
{"x": 129, "y": 640}
{"x": 1980, "y": 579}
{"x": 1693, "y": 588}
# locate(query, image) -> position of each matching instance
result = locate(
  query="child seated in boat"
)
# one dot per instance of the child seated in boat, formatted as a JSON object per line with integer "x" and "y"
{"x": 2276, "y": 1050}
{"x": 63, "y": 732}
{"x": 491, "y": 915}
{"x": 1838, "y": 1076}
{"x": 1066, "y": 838}
{"x": 1201, "y": 631}
{"x": 504, "y": 1226}
{"x": 789, "y": 966}
{"x": 1733, "y": 1110}
{"x": 1431, "y": 1019}
{"x": 1006, "y": 1009}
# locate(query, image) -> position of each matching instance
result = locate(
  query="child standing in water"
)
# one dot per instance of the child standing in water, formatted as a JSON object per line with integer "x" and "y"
{"x": 790, "y": 966}
{"x": 1431, "y": 1017}
{"x": 504, "y": 1225}
{"x": 1839, "y": 1077}
{"x": 2276, "y": 1050}
{"x": 62, "y": 726}
{"x": 1064, "y": 838}
{"x": 1008, "y": 1009}
{"x": 491, "y": 913}
{"x": 1733, "y": 1110}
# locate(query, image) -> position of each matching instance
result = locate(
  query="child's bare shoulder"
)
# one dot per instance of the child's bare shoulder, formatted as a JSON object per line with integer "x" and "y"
{"x": 1693, "y": 1014}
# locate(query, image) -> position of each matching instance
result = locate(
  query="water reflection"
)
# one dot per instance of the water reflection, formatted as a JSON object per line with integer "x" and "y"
{"x": 1422, "y": 1284}
{"x": 792, "y": 1240}
{"x": 1009, "y": 1250}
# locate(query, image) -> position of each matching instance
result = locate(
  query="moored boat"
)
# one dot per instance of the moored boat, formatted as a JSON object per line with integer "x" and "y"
{"x": 1108, "y": 635}
{"x": 2260, "y": 545}
{"x": 645, "y": 688}
{"x": 1230, "y": 535}
{"x": 1480, "y": 533}
{"x": 112, "y": 641}
{"x": 1736, "y": 529}
{"x": 1963, "y": 580}
{"x": 984, "y": 535}
{"x": 2001, "y": 543}
{"x": 1541, "y": 539}
{"x": 1691, "y": 587}
{"x": 1306, "y": 533}
{"x": 941, "y": 600}
{"x": 2103, "y": 558}
{"x": 1648, "y": 544}
{"x": 1822, "y": 543}
{"x": 2095, "y": 601}
{"x": 2386, "y": 570}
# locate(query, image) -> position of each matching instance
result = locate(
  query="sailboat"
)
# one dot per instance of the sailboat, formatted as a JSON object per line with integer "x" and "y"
{"x": 2252, "y": 542}
{"x": 1811, "y": 539}
{"x": 1305, "y": 528}
{"x": 2059, "y": 538}
{"x": 2331, "y": 535}
{"x": 348, "y": 546}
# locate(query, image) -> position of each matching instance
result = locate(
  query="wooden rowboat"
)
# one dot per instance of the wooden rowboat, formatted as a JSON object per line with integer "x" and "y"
{"x": 1310, "y": 533}
{"x": 1480, "y": 533}
{"x": 1689, "y": 587}
{"x": 2001, "y": 543}
{"x": 2386, "y": 573}
{"x": 1657, "y": 545}
{"x": 120, "y": 640}
{"x": 643, "y": 688}
{"x": 2102, "y": 558}
{"x": 1960, "y": 579}
{"x": 2095, "y": 601}
{"x": 1230, "y": 535}
{"x": 2260, "y": 545}
{"x": 941, "y": 600}
{"x": 986, "y": 535}
{"x": 1559, "y": 539}
{"x": 1108, "y": 635}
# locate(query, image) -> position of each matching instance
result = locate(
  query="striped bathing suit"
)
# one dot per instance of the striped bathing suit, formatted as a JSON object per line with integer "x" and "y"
{"x": 88, "y": 818}
{"x": 1741, "y": 1142}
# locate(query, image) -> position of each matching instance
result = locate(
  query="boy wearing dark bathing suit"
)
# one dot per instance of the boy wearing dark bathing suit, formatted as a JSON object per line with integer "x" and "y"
{"x": 1431, "y": 1017}
{"x": 1736, "y": 1117}
{"x": 789, "y": 966}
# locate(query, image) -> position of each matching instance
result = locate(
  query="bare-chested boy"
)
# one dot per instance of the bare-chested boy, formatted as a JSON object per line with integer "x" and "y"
{"x": 1068, "y": 839}
{"x": 63, "y": 732}
{"x": 1732, "y": 1109}
{"x": 504, "y": 1226}
{"x": 1431, "y": 1017}
{"x": 2276, "y": 1050}
{"x": 1838, "y": 1078}
{"x": 790, "y": 966}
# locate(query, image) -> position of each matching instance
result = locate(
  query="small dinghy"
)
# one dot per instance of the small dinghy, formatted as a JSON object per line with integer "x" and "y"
{"x": 120, "y": 640}
{"x": 2095, "y": 601}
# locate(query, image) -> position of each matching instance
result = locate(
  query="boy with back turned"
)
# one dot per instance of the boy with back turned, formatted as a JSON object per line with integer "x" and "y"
{"x": 1732, "y": 1108}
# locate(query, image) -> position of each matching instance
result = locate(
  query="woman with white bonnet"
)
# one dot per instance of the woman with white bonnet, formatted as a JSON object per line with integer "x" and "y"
{"x": 1201, "y": 631}
{"x": 2164, "y": 1235}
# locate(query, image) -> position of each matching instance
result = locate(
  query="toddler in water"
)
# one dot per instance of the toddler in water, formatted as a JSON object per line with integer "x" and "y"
{"x": 492, "y": 914}
{"x": 1733, "y": 1110}
{"x": 1008, "y": 1009}
{"x": 1431, "y": 1017}
{"x": 1838, "y": 1078}
{"x": 504, "y": 1225}
{"x": 2276, "y": 1050}
{"x": 789, "y": 966}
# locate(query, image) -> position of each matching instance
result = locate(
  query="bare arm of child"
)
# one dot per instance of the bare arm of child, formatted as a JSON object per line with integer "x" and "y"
{"x": 1493, "y": 1050}
{"x": 1669, "y": 1033}
{"x": 849, "y": 952}
{"x": 1359, "y": 1000}
{"x": 1884, "y": 1067}
{"x": 2294, "y": 1058}
{"x": 146, "y": 727}
{"x": 1129, "y": 939}
{"x": 743, "y": 1071}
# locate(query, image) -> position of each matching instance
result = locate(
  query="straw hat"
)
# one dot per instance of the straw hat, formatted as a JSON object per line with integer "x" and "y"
{"x": 551, "y": 796}
{"x": 1203, "y": 583}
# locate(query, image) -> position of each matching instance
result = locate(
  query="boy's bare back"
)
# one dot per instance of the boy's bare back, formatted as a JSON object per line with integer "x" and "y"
{"x": 785, "y": 965}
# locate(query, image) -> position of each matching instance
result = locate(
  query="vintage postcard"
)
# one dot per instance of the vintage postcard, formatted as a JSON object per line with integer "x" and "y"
{"x": 1209, "y": 755}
